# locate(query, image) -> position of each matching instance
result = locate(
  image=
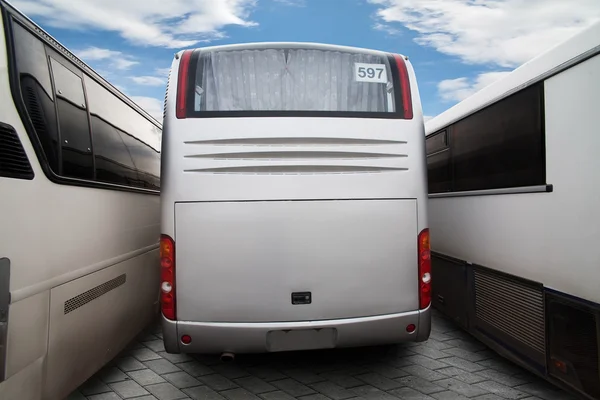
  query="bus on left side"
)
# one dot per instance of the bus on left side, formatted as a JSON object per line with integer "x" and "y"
{"x": 79, "y": 215}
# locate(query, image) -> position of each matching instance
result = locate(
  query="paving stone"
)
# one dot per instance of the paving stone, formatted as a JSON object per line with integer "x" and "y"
{"x": 332, "y": 390}
{"x": 155, "y": 345}
{"x": 501, "y": 377}
{"x": 502, "y": 390}
{"x": 422, "y": 372}
{"x": 266, "y": 373}
{"x": 500, "y": 365}
{"x": 372, "y": 393}
{"x": 293, "y": 387}
{"x": 93, "y": 386}
{"x": 145, "y": 377}
{"x": 440, "y": 337}
{"x": 76, "y": 396}
{"x": 128, "y": 389}
{"x": 182, "y": 380}
{"x": 428, "y": 350}
{"x": 217, "y": 382}
{"x": 427, "y": 362}
{"x": 105, "y": 396}
{"x": 470, "y": 344}
{"x": 387, "y": 370}
{"x": 166, "y": 391}
{"x": 230, "y": 371}
{"x": 239, "y": 394}
{"x": 144, "y": 354}
{"x": 379, "y": 381}
{"x": 468, "y": 355}
{"x": 304, "y": 376}
{"x": 544, "y": 391}
{"x": 462, "y": 375}
{"x": 111, "y": 374}
{"x": 400, "y": 362}
{"x": 420, "y": 384}
{"x": 406, "y": 393}
{"x": 491, "y": 396}
{"x": 317, "y": 396}
{"x": 129, "y": 364}
{"x": 255, "y": 385}
{"x": 175, "y": 358}
{"x": 342, "y": 379}
{"x": 463, "y": 364}
{"x": 146, "y": 336}
{"x": 278, "y": 395}
{"x": 194, "y": 368}
{"x": 161, "y": 366}
{"x": 461, "y": 387}
{"x": 202, "y": 393}
{"x": 449, "y": 395}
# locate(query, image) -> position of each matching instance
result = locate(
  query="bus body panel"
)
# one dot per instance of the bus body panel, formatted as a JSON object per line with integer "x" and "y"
{"x": 241, "y": 261}
{"x": 526, "y": 258}
{"x": 65, "y": 240}
{"x": 263, "y": 206}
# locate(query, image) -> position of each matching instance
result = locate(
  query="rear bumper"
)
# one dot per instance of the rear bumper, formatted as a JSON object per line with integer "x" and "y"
{"x": 210, "y": 337}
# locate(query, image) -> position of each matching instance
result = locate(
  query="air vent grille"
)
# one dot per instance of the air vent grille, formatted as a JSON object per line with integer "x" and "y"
{"x": 511, "y": 306}
{"x": 92, "y": 294}
{"x": 13, "y": 159}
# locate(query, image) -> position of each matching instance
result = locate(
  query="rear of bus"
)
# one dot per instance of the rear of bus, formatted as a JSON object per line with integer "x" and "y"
{"x": 293, "y": 200}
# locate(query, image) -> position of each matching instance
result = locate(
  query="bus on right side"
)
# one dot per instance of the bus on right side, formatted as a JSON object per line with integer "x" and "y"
{"x": 514, "y": 214}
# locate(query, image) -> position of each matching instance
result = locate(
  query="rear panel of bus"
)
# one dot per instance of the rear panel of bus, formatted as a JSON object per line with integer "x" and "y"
{"x": 294, "y": 183}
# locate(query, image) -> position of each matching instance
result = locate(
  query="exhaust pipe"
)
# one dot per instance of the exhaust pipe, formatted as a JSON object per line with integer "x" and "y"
{"x": 227, "y": 357}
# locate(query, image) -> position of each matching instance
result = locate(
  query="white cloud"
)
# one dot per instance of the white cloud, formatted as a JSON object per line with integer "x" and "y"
{"x": 171, "y": 24}
{"x": 460, "y": 88}
{"x": 152, "y": 106}
{"x": 115, "y": 59}
{"x": 502, "y": 32}
{"x": 163, "y": 71}
{"x": 149, "y": 80}
{"x": 294, "y": 3}
{"x": 387, "y": 28}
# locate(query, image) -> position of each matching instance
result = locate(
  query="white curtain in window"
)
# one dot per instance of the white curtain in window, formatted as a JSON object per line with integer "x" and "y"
{"x": 292, "y": 79}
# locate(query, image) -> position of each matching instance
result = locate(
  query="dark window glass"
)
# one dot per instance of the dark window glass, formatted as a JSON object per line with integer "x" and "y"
{"x": 439, "y": 173}
{"x": 113, "y": 160}
{"x": 436, "y": 142}
{"x": 121, "y": 141}
{"x": 77, "y": 160}
{"x": 501, "y": 146}
{"x": 36, "y": 89}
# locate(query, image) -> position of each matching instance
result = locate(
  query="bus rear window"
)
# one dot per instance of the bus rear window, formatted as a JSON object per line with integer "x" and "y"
{"x": 292, "y": 81}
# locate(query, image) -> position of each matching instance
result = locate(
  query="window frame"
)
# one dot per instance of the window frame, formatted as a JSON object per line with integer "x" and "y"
{"x": 543, "y": 187}
{"x": 398, "y": 113}
{"x": 9, "y": 20}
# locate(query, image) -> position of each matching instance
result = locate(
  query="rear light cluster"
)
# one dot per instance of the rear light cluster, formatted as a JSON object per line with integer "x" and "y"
{"x": 404, "y": 87}
{"x": 182, "y": 84}
{"x": 424, "y": 270}
{"x": 167, "y": 277}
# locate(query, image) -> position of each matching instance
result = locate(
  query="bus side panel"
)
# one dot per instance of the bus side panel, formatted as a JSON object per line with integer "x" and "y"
{"x": 94, "y": 317}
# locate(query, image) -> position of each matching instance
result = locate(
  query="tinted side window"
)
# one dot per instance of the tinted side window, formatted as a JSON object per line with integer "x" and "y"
{"x": 36, "y": 89}
{"x": 439, "y": 172}
{"x": 501, "y": 146}
{"x": 123, "y": 141}
{"x": 77, "y": 160}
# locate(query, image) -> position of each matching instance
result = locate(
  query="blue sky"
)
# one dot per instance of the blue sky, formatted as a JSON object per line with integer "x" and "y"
{"x": 456, "y": 46}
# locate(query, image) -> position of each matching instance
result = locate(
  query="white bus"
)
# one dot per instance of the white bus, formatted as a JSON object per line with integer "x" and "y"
{"x": 79, "y": 216}
{"x": 294, "y": 201}
{"x": 514, "y": 188}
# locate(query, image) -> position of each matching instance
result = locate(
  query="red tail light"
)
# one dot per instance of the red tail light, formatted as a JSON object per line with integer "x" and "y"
{"x": 182, "y": 84}
{"x": 167, "y": 276}
{"x": 404, "y": 87}
{"x": 424, "y": 270}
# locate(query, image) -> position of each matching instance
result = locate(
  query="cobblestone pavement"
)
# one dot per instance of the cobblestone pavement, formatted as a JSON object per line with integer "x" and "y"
{"x": 451, "y": 365}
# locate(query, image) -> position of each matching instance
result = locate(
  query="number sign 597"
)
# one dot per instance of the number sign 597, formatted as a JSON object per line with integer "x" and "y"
{"x": 370, "y": 73}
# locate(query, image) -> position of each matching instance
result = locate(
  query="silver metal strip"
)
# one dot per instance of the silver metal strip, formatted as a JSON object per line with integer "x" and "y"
{"x": 4, "y": 303}
{"x": 489, "y": 192}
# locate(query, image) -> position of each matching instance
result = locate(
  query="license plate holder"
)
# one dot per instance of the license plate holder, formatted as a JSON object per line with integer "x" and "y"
{"x": 301, "y": 339}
